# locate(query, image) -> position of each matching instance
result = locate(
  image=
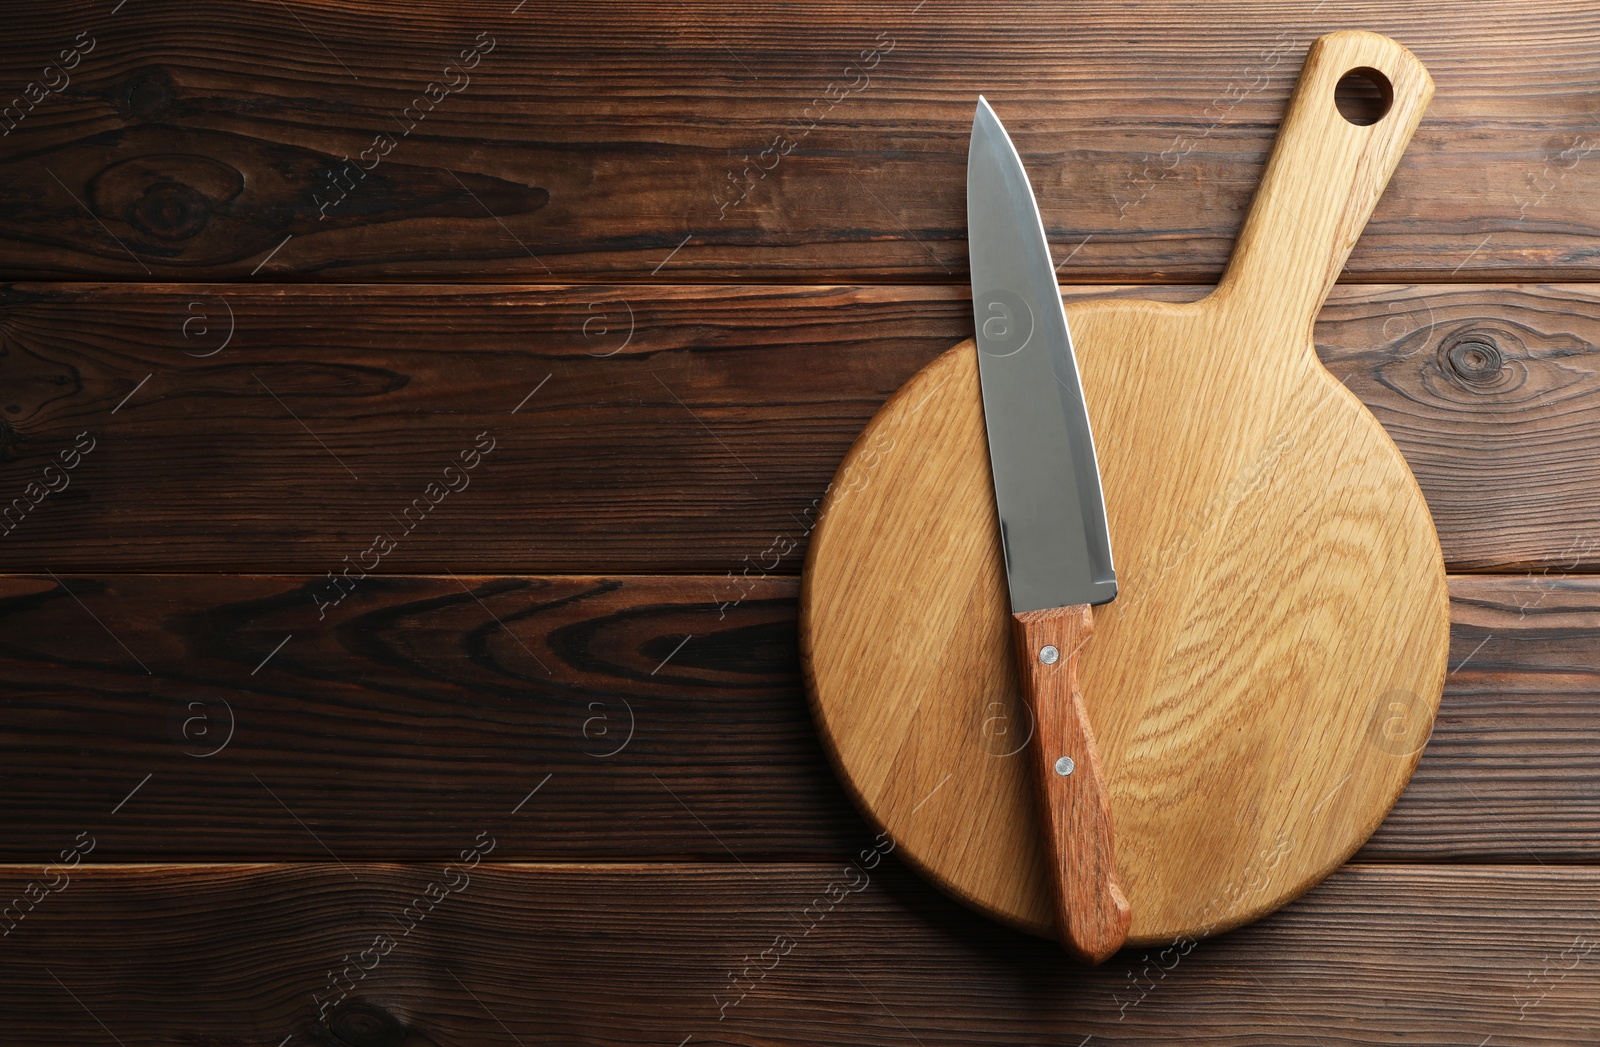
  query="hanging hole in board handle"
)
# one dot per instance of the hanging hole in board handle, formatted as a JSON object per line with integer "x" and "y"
{"x": 1363, "y": 96}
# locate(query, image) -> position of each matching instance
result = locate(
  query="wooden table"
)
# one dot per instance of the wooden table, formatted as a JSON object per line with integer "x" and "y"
{"x": 408, "y": 425}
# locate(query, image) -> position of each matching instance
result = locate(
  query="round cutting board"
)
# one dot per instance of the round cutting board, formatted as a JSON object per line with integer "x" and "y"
{"x": 1264, "y": 683}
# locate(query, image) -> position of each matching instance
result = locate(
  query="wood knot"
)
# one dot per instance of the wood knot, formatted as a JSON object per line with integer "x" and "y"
{"x": 145, "y": 95}
{"x": 170, "y": 211}
{"x": 168, "y": 196}
{"x": 363, "y": 1025}
{"x": 1474, "y": 358}
{"x": 1501, "y": 366}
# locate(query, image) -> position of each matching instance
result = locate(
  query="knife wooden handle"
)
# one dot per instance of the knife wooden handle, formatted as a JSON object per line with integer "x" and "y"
{"x": 1092, "y": 916}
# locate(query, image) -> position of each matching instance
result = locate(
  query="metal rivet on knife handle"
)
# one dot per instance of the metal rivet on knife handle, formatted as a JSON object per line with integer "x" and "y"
{"x": 1048, "y": 654}
{"x": 1064, "y": 766}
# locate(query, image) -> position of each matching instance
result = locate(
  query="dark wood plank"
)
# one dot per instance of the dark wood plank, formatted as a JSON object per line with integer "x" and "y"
{"x": 604, "y": 140}
{"x": 686, "y": 446}
{"x": 675, "y": 954}
{"x": 416, "y": 711}
{"x": 674, "y": 429}
{"x": 420, "y": 709}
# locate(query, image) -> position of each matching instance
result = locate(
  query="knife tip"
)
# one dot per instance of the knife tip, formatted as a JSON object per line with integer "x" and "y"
{"x": 983, "y": 114}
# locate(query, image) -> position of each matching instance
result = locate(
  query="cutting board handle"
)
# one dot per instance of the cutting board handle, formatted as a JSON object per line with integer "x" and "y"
{"x": 1324, "y": 177}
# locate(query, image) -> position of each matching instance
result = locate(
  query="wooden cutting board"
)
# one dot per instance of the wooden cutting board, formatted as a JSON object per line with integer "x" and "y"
{"x": 1267, "y": 677}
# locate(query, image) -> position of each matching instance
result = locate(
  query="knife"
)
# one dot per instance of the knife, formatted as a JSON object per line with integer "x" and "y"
{"x": 1052, "y": 526}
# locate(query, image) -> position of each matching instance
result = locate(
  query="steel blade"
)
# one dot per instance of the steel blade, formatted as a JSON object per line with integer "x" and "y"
{"x": 1041, "y": 450}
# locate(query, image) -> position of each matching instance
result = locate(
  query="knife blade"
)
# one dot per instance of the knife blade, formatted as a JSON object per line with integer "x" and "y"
{"x": 1053, "y": 531}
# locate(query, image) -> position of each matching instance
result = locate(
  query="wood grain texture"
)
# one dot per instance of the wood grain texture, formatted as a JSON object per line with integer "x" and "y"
{"x": 632, "y": 457}
{"x": 409, "y": 717}
{"x": 814, "y": 141}
{"x": 416, "y": 712}
{"x": 829, "y": 953}
{"x": 273, "y": 429}
{"x": 1280, "y": 582}
{"x": 1073, "y": 812}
